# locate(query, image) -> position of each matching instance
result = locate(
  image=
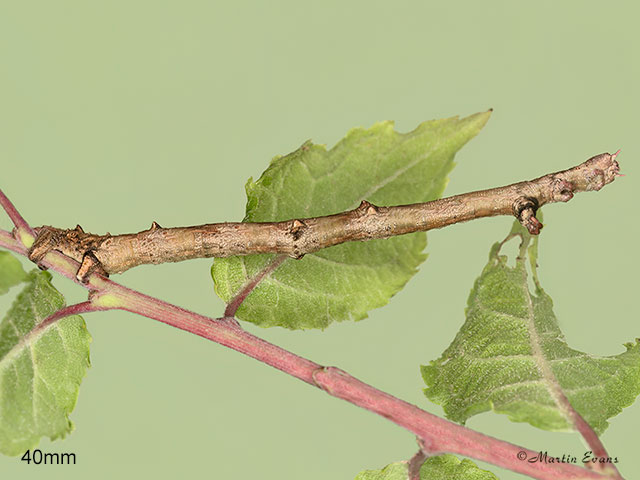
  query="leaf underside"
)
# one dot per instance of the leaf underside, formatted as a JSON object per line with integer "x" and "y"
{"x": 345, "y": 281}
{"x": 511, "y": 357}
{"x": 441, "y": 467}
{"x": 40, "y": 369}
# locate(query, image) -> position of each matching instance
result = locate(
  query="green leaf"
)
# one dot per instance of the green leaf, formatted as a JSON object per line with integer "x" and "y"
{"x": 40, "y": 368}
{"x": 394, "y": 471}
{"x": 11, "y": 272}
{"x": 450, "y": 467}
{"x": 511, "y": 357}
{"x": 441, "y": 467}
{"x": 346, "y": 281}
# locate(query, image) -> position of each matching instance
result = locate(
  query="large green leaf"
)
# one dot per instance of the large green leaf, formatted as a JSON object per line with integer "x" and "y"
{"x": 346, "y": 281}
{"x": 510, "y": 356}
{"x": 11, "y": 272}
{"x": 441, "y": 467}
{"x": 40, "y": 368}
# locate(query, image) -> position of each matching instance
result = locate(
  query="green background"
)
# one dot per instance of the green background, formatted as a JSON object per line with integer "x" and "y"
{"x": 114, "y": 114}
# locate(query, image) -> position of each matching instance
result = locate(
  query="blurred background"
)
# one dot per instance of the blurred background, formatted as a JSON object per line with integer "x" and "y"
{"x": 114, "y": 114}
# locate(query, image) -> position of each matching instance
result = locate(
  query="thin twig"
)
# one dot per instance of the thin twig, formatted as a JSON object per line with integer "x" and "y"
{"x": 440, "y": 435}
{"x": 19, "y": 222}
{"x": 8, "y": 241}
{"x": 297, "y": 237}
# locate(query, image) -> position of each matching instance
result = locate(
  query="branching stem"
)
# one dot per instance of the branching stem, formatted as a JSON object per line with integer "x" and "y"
{"x": 297, "y": 237}
{"x": 19, "y": 222}
{"x": 441, "y": 436}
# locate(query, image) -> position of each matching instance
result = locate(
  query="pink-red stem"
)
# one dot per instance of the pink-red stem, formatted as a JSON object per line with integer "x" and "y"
{"x": 436, "y": 434}
{"x": 14, "y": 215}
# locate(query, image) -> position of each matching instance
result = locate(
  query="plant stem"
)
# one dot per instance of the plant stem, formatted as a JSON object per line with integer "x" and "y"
{"x": 437, "y": 434}
{"x": 75, "y": 309}
{"x": 14, "y": 215}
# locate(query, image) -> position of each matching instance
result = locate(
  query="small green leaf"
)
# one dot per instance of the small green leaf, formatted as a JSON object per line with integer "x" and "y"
{"x": 393, "y": 471}
{"x": 346, "y": 281}
{"x": 450, "y": 467}
{"x": 441, "y": 467}
{"x": 511, "y": 357}
{"x": 11, "y": 272}
{"x": 40, "y": 368}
